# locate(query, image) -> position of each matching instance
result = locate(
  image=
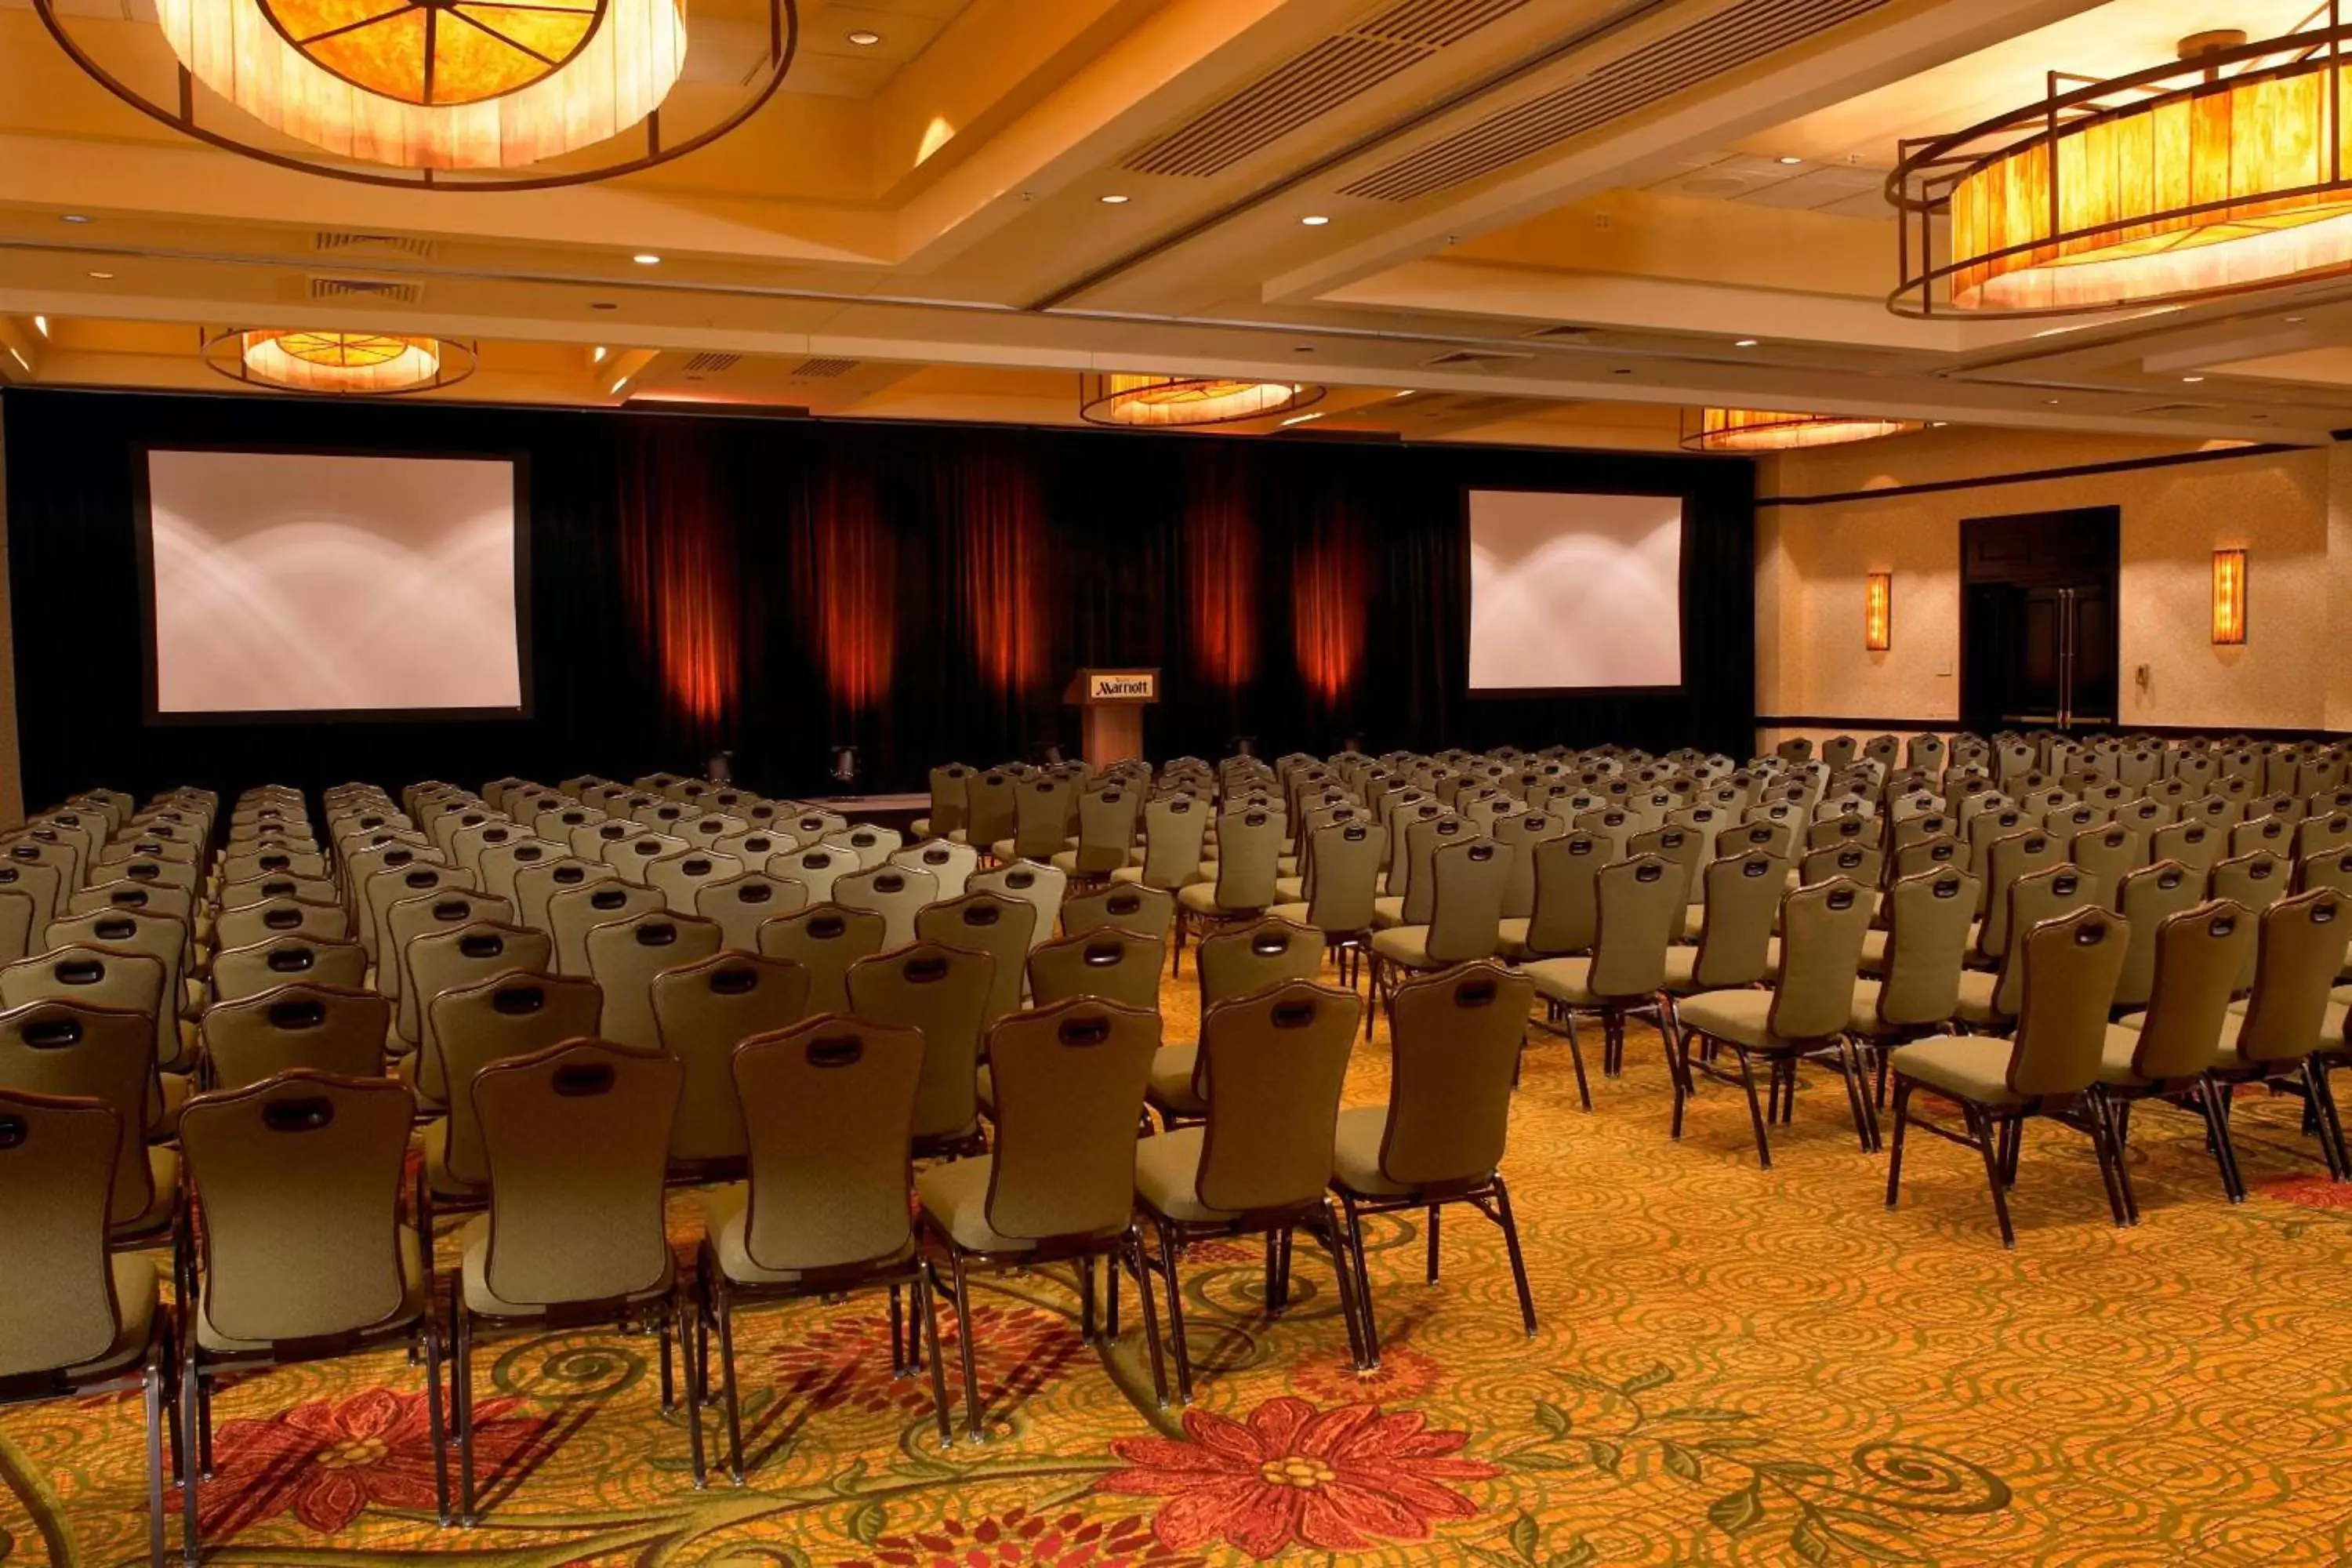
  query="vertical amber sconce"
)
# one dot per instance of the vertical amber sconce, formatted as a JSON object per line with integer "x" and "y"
{"x": 1878, "y": 612}
{"x": 2229, "y": 598}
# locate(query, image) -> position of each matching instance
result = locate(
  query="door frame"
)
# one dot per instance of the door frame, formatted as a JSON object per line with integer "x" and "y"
{"x": 2031, "y": 569}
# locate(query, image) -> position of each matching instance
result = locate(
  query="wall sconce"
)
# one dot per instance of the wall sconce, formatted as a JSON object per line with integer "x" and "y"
{"x": 2229, "y": 598}
{"x": 1878, "y": 612}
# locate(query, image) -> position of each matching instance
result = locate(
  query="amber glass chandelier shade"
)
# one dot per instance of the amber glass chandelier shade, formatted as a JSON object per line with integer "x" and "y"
{"x": 336, "y": 362}
{"x": 2230, "y": 170}
{"x": 1765, "y": 430}
{"x": 1169, "y": 401}
{"x": 435, "y": 84}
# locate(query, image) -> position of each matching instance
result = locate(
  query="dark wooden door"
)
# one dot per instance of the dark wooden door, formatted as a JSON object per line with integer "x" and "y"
{"x": 2038, "y": 620}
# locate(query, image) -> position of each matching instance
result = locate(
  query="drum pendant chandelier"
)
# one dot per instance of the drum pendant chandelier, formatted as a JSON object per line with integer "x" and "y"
{"x": 345, "y": 364}
{"x": 1175, "y": 401}
{"x": 445, "y": 94}
{"x": 1760, "y": 430}
{"x": 2229, "y": 169}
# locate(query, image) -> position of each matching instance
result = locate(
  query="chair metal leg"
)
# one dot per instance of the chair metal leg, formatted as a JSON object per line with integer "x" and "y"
{"x": 1864, "y": 1127}
{"x": 1369, "y": 1325}
{"x": 2216, "y": 1110}
{"x": 2322, "y": 1095}
{"x": 190, "y": 1482}
{"x": 1755, "y": 1107}
{"x": 204, "y": 1427}
{"x": 668, "y": 1388}
{"x": 151, "y": 1387}
{"x": 965, "y": 1350}
{"x": 1903, "y": 1088}
{"x": 1576, "y": 1056}
{"x": 1086, "y": 1279}
{"x": 1175, "y": 1316}
{"x": 1678, "y": 1059}
{"x": 1433, "y": 1211}
{"x": 897, "y": 1335}
{"x": 2012, "y": 1145}
{"x": 723, "y": 1310}
{"x": 462, "y": 1405}
{"x": 687, "y": 1309}
{"x": 1518, "y": 1260}
{"x": 1148, "y": 1312}
{"x": 2114, "y": 1165}
{"x": 927, "y": 1308}
{"x": 1987, "y": 1138}
{"x": 431, "y": 1334}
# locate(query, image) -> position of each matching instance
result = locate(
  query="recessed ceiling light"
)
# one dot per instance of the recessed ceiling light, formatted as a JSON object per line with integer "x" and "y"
{"x": 1937, "y": 424}
{"x": 1745, "y": 343}
{"x": 2192, "y": 378}
{"x": 1112, "y": 201}
{"x": 41, "y": 325}
{"x": 2295, "y": 320}
{"x": 77, "y": 217}
{"x": 866, "y": 38}
{"x": 16, "y": 354}
{"x": 1407, "y": 392}
{"x": 645, "y": 258}
{"x": 1301, "y": 418}
{"x": 1791, "y": 160}
{"x": 103, "y": 277}
{"x": 597, "y": 357}
{"x": 1314, "y": 220}
{"x": 2050, "y": 401}
{"x": 617, "y": 385}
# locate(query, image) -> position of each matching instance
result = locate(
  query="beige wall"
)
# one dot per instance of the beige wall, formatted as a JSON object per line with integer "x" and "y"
{"x": 2291, "y": 512}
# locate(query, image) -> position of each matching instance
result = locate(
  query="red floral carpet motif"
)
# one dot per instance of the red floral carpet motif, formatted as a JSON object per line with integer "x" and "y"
{"x": 845, "y": 1362}
{"x": 1405, "y": 1374}
{"x": 2312, "y": 1191}
{"x": 1337, "y": 1480}
{"x": 328, "y": 1462}
{"x": 1023, "y": 1540}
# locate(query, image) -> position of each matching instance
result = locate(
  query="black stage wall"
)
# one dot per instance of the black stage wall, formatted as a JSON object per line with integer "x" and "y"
{"x": 922, "y": 592}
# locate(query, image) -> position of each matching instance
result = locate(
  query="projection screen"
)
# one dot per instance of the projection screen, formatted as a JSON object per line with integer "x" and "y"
{"x": 283, "y": 584}
{"x": 1575, "y": 591}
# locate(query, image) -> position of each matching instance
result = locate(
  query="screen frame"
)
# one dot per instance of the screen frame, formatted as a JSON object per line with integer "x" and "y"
{"x": 143, "y": 510}
{"x": 1681, "y": 599}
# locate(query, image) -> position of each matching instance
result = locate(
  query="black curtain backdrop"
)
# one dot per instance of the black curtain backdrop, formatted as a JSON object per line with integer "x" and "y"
{"x": 920, "y": 592}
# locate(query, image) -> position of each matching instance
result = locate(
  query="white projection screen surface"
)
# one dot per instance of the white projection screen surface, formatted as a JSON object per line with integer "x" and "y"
{"x": 1575, "y": 591}
{"x": 297, "y": 584}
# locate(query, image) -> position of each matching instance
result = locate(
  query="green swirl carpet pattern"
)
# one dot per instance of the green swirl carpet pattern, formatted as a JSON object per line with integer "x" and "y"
{"x": 1735, "y": 1368}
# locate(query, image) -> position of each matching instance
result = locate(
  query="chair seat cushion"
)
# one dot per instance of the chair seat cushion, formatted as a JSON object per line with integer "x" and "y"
{"x": 163, "y": 1176}
{"x": 1168, "y": 1172}
{"x": 1128, "y": 874}
{"x": 1511, "y": 938}
{"x": 1863, "y": 1018}
{"x": 474, "y": 1243}
{"x": 1295, "y": 913}
{"x": 1873, "y": 952}
{"x": 2123, "y": 1042}
{"x": 1977, "y": 988}
{"x": 1170, "y": 1085}
{"x": 416, "y": 1296}
{"x": 1563, "y": 980}
{"x": 438, "y": 1178}
{"x": 134, "y": 1306}
{"x": 1742, "y": 1017}
{"x": 1201, "y": 898}
{"x": 1066, "y": 860}
{"x": 1682, "y": 970}
{"x": 1406, "y": 945}
{"x": 1387, "y": 913}
{"x": 2330, "y": 1039}
{"x": 918, "y": 830}
{"x": 1290, "y": 889}
{"x": 175, "y": 1089}
{"x": 1967, "y": 1067}
{"x": 955, "y": 1201}
{"x": 1004, "y": 849}
{"x": 984, "y": 1090}
{"x": 724, "y": 1211}
{"x": 1285, "y": 865}
{"x": 1356, "y": 1154}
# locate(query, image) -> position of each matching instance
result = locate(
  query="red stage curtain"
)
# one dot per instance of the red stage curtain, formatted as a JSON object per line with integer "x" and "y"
{"x": 1000, "y": 527}
{"x": 846, "y": 577}
{"x": 1221, "y": 569}
{"x": 1329, "y": 585}
{"x": 678, "y": 573}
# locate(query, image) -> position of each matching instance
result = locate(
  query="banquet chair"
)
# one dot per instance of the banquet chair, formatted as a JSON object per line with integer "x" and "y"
{"x": 1249, "y": 843}
{"x": 160, "y": 937}
{"x": 944, "y": 992}
{"x": 1990, "y": 1001}
{"x": 2168, "y": 1051}
{"x": 474, "y": 1027}
{"x": 454, "y": 958}
{"x": 410, "y": 919}
{"x": 573, "y": 912}
{"x": 577, "y": 1139}
{"x": 950, "y": 864}
{"x": 623, "y": 957}
{"x": 1038, "y": 885}
{"x": 741, "y": 902}
{"x": 1567, "y": 899}
{"x": 2254, "y": 882}
{"x": 993, "y": 809}
{"x": 1467, "y": 880}
{"x": 827, "y": 1105}
{"x": 81, "y": 1051}
{"x": 1638, "y": 905}
{"x": 680, "y": 877}
{"x": 334, "y": 1029}
{"x": 1260, "y": 1161}
{"x": 1060, "y": 1184}
{"x": 1003, "y": 927}
{"x": 1735, "y": 935}
{"x": 1111, "y": 962}
{"x": 1107, "y": 817}
{"x": 950, "y": 801}
{"x": 1126, "y": 906}
{"x": 1455, "y": 1039}
{"x": 1342, "y": 873}
{"x": 77, "y": 1320}
{"x": 894, "y": 892}
{"x": 702, "y": 1012}
{"x": 276, "y": 917}
{"x": 265, "y": 965}
{"x": 2150, "y": 896}
{"x": 1238, "y": 962}
{"x": 1042, "y": 810}
{"x": 2069, "y": 965}
{"x": 2290, "y": 1030}
{"x": 872, "y": 845}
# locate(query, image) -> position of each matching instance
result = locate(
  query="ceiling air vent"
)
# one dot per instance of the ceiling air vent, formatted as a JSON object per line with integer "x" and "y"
{"x": 1648, "y": 75}
{"x": 1562, "y": 334}
{"x": 1473, "y": 356}
{"x": 708, "y": 361}
{"x": 385, "y": 290}
{"x": 334, "y": 240}
{"x": 822, "y": 369}
{"x": 1312, "y": 83}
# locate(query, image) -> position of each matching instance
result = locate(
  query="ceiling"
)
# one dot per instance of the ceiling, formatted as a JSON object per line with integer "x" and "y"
{"x": 1549, "y": 221}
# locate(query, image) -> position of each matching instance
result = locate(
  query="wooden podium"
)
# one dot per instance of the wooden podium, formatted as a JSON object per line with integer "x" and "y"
{"x": 1114, "y": 701}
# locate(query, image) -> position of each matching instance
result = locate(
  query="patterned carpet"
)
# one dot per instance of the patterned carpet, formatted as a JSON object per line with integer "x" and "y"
{"x": 1735, "y": 1367}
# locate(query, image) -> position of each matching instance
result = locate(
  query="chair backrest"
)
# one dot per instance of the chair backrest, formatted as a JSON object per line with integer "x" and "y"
{"x": 298, "y": 1180}
{"x": 275, "y": 917}
{"x": 493, "y": 1020}
{"x": 1678, "y": 845}
{"x": 897, "y": 893}
{"x": 2107, "y": 854}
{"x": 2150, "y": 896}
{"x": 950, "y": 801}
{"x": 96, "y": 977}
{"x": 410, "y": 919}
{"x": 1249, "y": 852}
{"x": 1034, "y": 882}
{"x": 1275, "y": 1063}
{"x": 680, "y": 876}
{"x": 2328, "y": 869}
{"x": 1114, "y": 964}
{"x": 1467, "y": 880}
{"x": 1821, "y": 931}
{"x": 538, "y": 885}
{"x": 1343, "y": 874}
{"x": 2013, "y": 857}
{"x": 2301, "y": 952}
{"x": 460, "y": 955}
{"x": 397, "y": 880}
{"x": 2070, "y": 965}
{"x": 1240, "y": 960}
{"x": 827, "y": 1111}
{"x": 1107, "y": 819}
{"x": 702, "y": 1011}
{"x": 740, "y": 903}
{"x": 1126, "y": 906}
{"x": 623, "y": 957}
{"x": 944, "y": 992}
{"x": 577, "y": 910}
{"x": 242, "y": 972}
{"x": 949, "y": 865}
{"x": 1523, "y": 832}
{"x": 2255, "y": 880}
{"x": 163, "y": 938}
{"x": 1041, "y": 814}
{"x": 1068, "y": 1082}
{"x": 578, "y": 1141}
{"x": 58, "y": 1157}
{"x": 1927, "y": 918}
{"x": 1567, "y": 914}
{"x": 1004, "y": 927}
{"x": 334, "y": 1029}
{"x": 2193, "y": 843}
{"x": 1453, "y": 1051}
{"x": 2199, "y": 953}
{"x": 1734, "y": 937}
{"x": 1640, "y": 904}
{"x": 1175, "y": 828}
